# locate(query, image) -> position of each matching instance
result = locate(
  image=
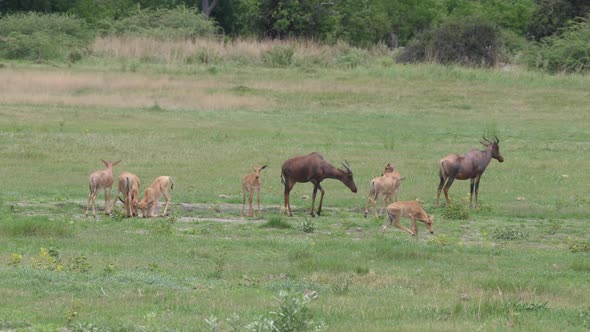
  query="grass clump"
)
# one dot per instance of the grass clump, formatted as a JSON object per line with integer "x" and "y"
{"x": 279, "y": 56}
{"x": 276, "y": 222}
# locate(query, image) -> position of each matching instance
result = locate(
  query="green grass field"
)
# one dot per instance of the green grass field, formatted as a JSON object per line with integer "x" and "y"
{"x": 515, "y": 264}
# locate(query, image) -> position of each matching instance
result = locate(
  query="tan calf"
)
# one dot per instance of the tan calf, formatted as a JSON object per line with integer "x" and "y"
{"x": 413, "y": 211}
{"x": 153, "y": 194}
{"x": 250, "y": 185}
{"x": 101, "y": 180}
{"x": 387, "y": 185}
{"x": 129, "y": 187}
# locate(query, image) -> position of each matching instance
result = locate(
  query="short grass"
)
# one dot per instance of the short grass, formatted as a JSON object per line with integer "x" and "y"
{"x": 517, "y": 263}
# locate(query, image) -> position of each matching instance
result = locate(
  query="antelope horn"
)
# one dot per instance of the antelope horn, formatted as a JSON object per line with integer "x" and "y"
{"x": 497, "y": 140}
{"x": 487, "y": 140}
{"x": 347, "y": 165}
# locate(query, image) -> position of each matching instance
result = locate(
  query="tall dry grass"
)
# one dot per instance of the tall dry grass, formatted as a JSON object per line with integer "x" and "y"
{"x": 208, "y": 50}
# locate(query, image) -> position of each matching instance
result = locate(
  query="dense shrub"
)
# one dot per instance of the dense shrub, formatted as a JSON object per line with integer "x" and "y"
{"x": 566, "y": 52}
{"x": 465, "y": 42}
{"x": 34, "y": 36}
{"x": 177, "y": 23}
{"x": 552, "y": 15}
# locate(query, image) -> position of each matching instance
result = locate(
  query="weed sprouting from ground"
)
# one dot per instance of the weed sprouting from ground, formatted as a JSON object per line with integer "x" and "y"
{"x": 578, "y": 245}
{"x": 306, "y": 226}
{"x": 457, "y": 210}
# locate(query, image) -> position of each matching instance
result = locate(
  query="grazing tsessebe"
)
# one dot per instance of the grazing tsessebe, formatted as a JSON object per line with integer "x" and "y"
{"x": 410, "y": 209}
{"x": 251, "y": 184}
{"x": 102, "y": 179}
{"x": 470, "y": 165}
{"x": 129, "y": 187}
{"x": 153, "y": 194}
{"x": 313, "y": 168}
{"x": 386, "y": 185}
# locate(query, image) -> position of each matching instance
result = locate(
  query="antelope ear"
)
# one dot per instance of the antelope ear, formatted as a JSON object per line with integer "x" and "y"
{"x": 431, "y": 217}
{"x": 116, "y": 162}
{"x": 263, "y": 167}
{"x": 105, "y": 163}
{"x": 150, "y": 203}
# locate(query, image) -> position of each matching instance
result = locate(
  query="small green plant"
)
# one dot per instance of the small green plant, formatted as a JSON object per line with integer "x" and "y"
{"x": 15, "y": 259}
{"x": 294, "y": 315}
{"x": 306, "y": 226}
{"x": 509, "y": 233}
{"x": 153, "y": 267}
{"x": 109, "y": 268}
{"x": 212, "y": 323}
{"x": 79, "y": 264}
{"x": 46, "y": 261}
{"x": 72, "y": 312}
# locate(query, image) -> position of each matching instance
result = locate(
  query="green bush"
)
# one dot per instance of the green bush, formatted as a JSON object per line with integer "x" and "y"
{"x": 177, "y": 23}
{"x": 567, "y": 52}
{"x": 468, "y": 42}
{"x": 34, "y": 36}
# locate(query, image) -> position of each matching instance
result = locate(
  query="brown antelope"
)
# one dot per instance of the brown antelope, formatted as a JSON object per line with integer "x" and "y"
{"x": 250, "y": 184}
{"x": 410, "y": 209}
{"x": 102, "y": 179}
{"x": 313, "y": 168}
{"x": 387, "y": 185}
{"x": 470, "y": 165}
{"x": 153, "y": 194}
{"x": 129, "y": 187}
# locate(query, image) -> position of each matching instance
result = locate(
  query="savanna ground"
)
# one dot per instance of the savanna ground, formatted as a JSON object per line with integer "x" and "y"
{"x": 519, "y": 263}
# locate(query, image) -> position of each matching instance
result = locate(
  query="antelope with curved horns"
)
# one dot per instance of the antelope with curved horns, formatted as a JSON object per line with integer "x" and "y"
{"x": 313, "y": 168}
{"x": 470, "y": 165}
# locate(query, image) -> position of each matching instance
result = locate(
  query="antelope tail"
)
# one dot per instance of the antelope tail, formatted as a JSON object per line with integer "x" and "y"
{"x": 282, "y": 179}
{"x": 171, "y": 182}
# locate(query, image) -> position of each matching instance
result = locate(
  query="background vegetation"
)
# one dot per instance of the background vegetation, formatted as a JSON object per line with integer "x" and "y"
{"x": 445, "y": 31}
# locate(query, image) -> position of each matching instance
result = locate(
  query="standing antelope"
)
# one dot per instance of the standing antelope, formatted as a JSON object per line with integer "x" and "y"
{"x": 153, "y": 194}
{"x": 250, "y": 184}
{"x": 313, "y": 168}
{"x": 410, "y": 209}
{"x": 470, "y": 165}
{"x": 101, "y": 180}
{"x": 129, "y": 187}
{"x": 387, "y": 185}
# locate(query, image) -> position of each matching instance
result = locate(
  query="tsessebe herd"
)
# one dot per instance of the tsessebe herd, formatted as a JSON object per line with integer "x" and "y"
{"x": 309, "y": 168}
